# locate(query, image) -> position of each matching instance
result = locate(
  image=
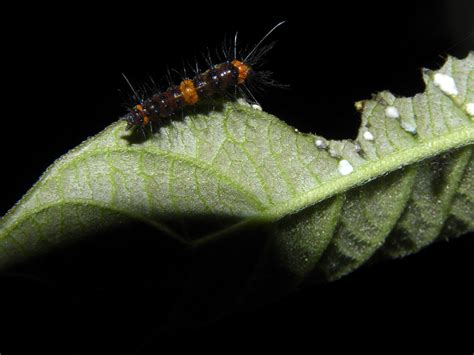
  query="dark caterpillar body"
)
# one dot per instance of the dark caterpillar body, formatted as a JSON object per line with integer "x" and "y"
{"x": 213, "y": 81}
{"x": 219, "y": 79}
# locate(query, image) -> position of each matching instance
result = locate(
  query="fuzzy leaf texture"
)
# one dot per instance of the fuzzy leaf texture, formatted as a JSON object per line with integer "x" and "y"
{"x": 324, "y": 207}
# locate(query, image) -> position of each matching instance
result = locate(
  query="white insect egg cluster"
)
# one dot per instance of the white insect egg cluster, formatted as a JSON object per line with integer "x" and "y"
{"x": 446, "y": 83}
{"x": 409, "y": 127}
{"x": 470, "y": 108}
{"x": 320, "y": 143}
{"x": 368, "y": 136}
{"x": 344, "y": 167}
{"x": 392, "y": 112}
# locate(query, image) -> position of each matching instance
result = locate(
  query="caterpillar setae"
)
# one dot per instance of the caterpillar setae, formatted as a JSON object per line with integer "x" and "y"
{"x": 238, "y": 74}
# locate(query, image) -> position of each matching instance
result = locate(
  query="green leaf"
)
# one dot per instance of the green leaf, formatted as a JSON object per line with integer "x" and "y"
{"x": 327, "y": 207}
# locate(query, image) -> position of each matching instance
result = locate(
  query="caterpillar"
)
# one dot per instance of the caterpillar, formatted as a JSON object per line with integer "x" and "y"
{"x": 234, "y": 73}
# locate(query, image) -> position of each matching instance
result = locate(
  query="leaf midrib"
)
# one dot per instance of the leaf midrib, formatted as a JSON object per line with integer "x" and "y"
{"x": 362, "y": 174}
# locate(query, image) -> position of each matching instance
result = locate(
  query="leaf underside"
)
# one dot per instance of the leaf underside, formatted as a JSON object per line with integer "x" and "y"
{"x": 327, "y": 207}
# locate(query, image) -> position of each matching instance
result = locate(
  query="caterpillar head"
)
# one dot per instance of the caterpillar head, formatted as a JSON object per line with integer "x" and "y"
{"x": 136, "y": 117}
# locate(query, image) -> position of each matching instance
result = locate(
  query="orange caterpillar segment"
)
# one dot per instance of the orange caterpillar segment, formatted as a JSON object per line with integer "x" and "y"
{"x": 188, "y": 90}
{"x": 243, "y": 70}
{"x": 146, "y": 119}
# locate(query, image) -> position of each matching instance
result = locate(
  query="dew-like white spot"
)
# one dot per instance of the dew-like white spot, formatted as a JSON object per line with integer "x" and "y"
{"x": 409, "y": 127}
{"x": 368, "y": 136}
{"x": 321, "y": 144}
{"x": 470, "y": 108}
{"x": 446, "y": 83}
{"x": 344, "y": 167}
{"x": 392, "y": 112}
{"x": 257, "y": 107}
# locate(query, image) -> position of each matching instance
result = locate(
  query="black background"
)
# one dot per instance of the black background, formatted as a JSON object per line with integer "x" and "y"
{"x": 61, "y": 77}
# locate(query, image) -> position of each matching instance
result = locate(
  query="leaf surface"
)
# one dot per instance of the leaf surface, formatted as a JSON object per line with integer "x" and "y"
{"x": 327, "y": 206}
